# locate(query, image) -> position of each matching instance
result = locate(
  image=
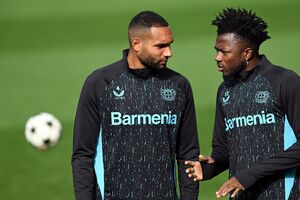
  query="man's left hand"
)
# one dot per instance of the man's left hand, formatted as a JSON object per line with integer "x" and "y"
{"x": 232, "y": 185}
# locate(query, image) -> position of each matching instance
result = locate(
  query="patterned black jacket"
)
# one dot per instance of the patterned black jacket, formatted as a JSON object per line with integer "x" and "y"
{"x": 130, "y": 128}
{"x": 256, "y": 133}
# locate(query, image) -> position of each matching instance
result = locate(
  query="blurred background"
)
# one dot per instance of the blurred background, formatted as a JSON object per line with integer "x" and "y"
{"x": 47, "y": 48}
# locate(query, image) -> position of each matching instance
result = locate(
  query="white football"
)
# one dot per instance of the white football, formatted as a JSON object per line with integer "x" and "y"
{"x": 43, "y": 130}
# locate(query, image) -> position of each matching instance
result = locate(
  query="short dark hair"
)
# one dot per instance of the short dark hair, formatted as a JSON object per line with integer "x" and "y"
{"x": 244, "y": 24}
{"x": 145, "y": 20}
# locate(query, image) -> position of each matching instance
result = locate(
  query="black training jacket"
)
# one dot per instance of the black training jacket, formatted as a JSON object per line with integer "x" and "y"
{"x": 130, "y": 128}
{"x": 256, "y": 133}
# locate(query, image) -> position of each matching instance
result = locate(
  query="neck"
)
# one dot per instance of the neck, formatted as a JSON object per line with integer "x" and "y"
{"x": 133, "y": 60}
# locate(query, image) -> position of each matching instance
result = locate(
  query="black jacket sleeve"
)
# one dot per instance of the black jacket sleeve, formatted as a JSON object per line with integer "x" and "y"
{"x": 187, "y": 148}
{"x": 289, "y": 95}
{"x": 219, "y": 145}
{"x": 86, "y": 131}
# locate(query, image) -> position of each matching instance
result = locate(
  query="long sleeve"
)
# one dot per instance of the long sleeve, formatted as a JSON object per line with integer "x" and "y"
{"x": 187, "y": 148}
{"x": 289, "y": 158}
{"x": 220, "y": 152}
{"x": 86, "y": 131}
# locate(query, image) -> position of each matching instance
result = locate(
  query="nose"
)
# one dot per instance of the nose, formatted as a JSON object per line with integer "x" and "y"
{"x": 168, "y": 52}
{"x": 218, "y": 57}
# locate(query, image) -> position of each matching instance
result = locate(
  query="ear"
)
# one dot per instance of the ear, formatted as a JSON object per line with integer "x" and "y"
{"x": 136, "y": 44}
{"x": 248, "y": 53}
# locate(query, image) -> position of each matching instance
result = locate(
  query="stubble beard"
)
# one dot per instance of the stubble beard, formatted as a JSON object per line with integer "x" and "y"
{"x": 150, "y": 62}
{"x": 233, "y": 77}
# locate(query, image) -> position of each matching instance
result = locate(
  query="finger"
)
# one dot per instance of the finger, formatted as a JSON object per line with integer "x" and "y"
{"x": 192, "y": 175}
{"x": 210, "y": 160}
{"x": 235, "y": 192}
{"x": 191, "y": 163}
{"x": 202, "y": 158}
{"x": 220, "y": 190}
{"x": 218, "y": 195}
{"x": 189, "y": 170}
{"x": 206, "y": 159}
{"x": 223, "y": 194}
{"x": 195, "y": 177}
{"x": 187, "y": 162}
{"x": 225, "y": 189}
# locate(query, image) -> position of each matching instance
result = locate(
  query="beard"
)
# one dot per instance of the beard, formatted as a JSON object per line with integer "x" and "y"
{"x": 232, "y": 78}
{"x": 150, "y": 62}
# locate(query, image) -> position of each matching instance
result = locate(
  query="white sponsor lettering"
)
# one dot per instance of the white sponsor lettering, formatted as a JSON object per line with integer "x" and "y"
{"x": 137, "y": 119}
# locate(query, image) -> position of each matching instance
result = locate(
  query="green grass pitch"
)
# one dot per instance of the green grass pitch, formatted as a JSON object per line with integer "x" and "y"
{"x": 47, "y": 48}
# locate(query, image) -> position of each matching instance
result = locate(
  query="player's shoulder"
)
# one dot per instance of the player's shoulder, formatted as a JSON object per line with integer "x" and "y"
{"x": 106, "y": 73}
{"x": 108, "y": 70}
{"x": 279, "y": 74}
{"x": 289, "y": 78}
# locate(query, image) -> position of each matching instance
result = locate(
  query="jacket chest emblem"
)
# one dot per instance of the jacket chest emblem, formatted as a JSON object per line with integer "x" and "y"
{"x": 118, "y": 93}
{"x": 225, "y": 98}
{"x": 262, "y": 96}
{"x": 168, "y": 94}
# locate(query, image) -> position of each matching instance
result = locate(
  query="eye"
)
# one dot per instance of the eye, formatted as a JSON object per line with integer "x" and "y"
{"x": 161, "y": 46}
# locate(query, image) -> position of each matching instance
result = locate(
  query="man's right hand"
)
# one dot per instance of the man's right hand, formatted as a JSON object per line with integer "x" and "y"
{"x": 194, "y": 169}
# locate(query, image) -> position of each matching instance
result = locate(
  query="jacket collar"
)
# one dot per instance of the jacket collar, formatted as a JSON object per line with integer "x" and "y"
{"x": 245, "y": 75}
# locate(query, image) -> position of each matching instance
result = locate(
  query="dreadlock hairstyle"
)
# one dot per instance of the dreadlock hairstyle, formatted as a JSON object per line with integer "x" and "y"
{"x": 244, "y": 24}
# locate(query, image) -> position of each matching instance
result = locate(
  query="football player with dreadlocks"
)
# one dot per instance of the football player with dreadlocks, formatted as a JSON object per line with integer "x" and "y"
{"x": 257, "y": 121}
